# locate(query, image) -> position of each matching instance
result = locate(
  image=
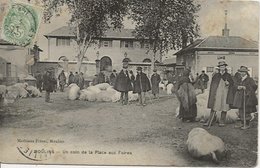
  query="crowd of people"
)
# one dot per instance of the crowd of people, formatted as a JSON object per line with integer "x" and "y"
{"x": 49, "y": 83}
{"x": 225, "y": 92}
{"x": 126, "y": 81}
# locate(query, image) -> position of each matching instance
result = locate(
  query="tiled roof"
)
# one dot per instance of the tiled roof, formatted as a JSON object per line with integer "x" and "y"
{"x": 221, "y": 43}
{"x": 64, "y": 31}
{"x": 67, "y": 31}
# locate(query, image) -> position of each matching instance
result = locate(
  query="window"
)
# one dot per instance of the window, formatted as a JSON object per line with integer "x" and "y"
{"x": 62, "y": 42}
{"x": 210, "y": 69}
{"x": 107, "y": 43}
{"x": 127, "y": 44}
{"x": 145, "y": 45}
{"x": 8, "y": 69}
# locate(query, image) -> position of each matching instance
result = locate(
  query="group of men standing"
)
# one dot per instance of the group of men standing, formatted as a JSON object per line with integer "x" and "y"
{"x": 225, "y": 92}
{"x": 125, "y": 81}
{"x": 77, "y": 79}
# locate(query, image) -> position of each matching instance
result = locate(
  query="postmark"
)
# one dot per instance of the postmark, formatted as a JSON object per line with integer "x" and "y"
{"x": 20, "y": 24}
{"x": 36, "y": 154}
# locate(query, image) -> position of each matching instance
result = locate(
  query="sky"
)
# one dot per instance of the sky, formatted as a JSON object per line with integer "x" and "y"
{"x": 242, "y": 20}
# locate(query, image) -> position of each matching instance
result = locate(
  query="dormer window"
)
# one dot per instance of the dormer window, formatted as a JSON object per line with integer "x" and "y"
{"x": 62, "y": 41}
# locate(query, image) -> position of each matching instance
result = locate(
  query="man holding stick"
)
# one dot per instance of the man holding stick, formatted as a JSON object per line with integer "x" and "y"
{"x": 245, "y": 98}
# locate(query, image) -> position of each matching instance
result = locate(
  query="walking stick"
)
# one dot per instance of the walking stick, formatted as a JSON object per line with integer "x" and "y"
{"x": 212, "y": 118}
{"x": 244, "y": 108}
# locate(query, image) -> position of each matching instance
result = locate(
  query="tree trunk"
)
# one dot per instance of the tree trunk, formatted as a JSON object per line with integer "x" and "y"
{"x": 153, "y": 61}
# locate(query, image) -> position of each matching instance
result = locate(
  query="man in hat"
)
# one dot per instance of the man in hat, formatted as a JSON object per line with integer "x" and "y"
{"x": 245, "y": 95}
{"x": 71, "y": 78}
{"x": 112, "y": 78}
{"x": 39, "y": 80}
{"x": 62, "y": 80}
{"x": 81, "y": 80}
{"x": 142, "y": 85}
{"x": 76, "y": 78}
{"x": 155, "y": 80}
{"x": 220, "y": 96}
{"x": 203, "y": 78}
{"x": 95, "y": 80}
{"x": 49, "y": 83}
{"x": 123, "y": 84}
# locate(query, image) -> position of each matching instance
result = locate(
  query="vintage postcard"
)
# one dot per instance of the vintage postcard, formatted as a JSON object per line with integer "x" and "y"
{"x": 129, "y": 82}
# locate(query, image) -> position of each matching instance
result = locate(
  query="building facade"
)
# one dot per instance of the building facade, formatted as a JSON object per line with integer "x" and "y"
{"x": 112, "y": 49}
{"x": 204, "y": 54}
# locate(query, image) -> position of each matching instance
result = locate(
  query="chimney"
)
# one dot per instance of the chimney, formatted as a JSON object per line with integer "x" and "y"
{"x": 225, "y": 31}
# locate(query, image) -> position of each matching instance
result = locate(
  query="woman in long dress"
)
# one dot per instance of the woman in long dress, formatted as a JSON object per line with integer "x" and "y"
{"x": 187, "y": 97}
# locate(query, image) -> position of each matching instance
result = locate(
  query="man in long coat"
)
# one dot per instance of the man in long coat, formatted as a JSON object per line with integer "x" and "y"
{"x": 39, "y": 81}
{"x": 204, "y": 78}
{"x": 220, "y": 93}
{"x": 123, "y": 85}
{"x": 155, "y": 80}
{"x": 71, "y": 78}
{"x": 49, "y": 82}
{"x": 245, "y": 93}
{"x": 81, "y": 81}
{"x": 112, "y": 78}
{"x": 141, "y": 85}
{"x": 76, "y": 78}
{"x": 62, "y": 80}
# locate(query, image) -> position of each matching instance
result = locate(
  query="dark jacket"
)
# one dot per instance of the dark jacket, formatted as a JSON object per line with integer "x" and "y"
{"x": 237, "y": 80}
{"x": 112, "y": 79}
{"x": 49, "y": 82}
{"x": 214, "y": 86}
{"x": 81, "y": 82}
{"x": 123, "y": 82}
{"x": 204, "y": 78}
{"x": 251, "y": 99}
{"x": 76, "y": 79}
{"x": 155, "y": 80}
{"x": 187, "y": 97}
{"x": 142, "y": 83}
{"x": 39, "y": 79}
{"x": 71, "y": 79}
{"x": 62, "y": 78}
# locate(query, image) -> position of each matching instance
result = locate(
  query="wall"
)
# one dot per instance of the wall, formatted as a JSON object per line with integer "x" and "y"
{"x": 17, "y": 57}
{"x": 234, "y": 60}
{"x": 116, "y": 53}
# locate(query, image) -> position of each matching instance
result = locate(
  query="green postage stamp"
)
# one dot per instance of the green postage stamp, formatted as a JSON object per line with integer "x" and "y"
{"x": 20, "y": 24}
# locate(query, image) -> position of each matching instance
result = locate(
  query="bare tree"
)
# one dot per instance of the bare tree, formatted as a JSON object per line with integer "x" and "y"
{"x": 90, "y": 19}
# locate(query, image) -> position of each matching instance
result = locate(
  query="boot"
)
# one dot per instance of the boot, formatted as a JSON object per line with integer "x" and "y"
{"x": 222, "y": 119}
{"x": 211, "y": 117}
{"x": 239, "y": 125}
{"x": 247, "y": 125}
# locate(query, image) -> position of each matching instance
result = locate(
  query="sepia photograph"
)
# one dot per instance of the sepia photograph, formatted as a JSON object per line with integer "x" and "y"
{"x": 129, "y": 82}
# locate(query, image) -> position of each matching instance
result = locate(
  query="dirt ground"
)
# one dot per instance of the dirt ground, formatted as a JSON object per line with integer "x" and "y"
{"x": 152, "y": 133}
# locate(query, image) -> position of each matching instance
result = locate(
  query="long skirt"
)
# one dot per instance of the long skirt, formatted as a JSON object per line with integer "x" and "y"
{"x": 188, "y": 114}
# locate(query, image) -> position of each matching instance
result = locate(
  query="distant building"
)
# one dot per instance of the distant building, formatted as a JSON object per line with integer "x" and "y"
{"x": 204, "y": 54}
{"x": 112, "y": 49}
{"x": 15, "y": 62}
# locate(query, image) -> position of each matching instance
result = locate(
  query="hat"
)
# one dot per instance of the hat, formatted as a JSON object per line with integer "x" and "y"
{"x": 155, "y": 70}
{"x": 139, "y": 68}
{"x": 222, "y": 63}
{"x": 243, "y": 69}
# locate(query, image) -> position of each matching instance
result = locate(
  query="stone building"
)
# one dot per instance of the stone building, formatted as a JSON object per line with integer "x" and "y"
{"x": 204, "y": 54}
{"x": 111, "y": 50}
